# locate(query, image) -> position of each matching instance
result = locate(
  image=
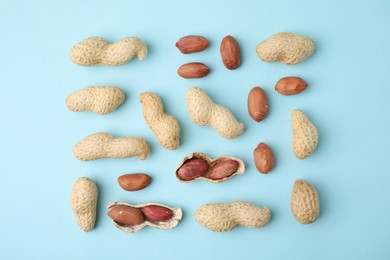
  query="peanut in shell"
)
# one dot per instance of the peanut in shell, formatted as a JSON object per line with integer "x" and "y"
{"x": 305, "y": 203}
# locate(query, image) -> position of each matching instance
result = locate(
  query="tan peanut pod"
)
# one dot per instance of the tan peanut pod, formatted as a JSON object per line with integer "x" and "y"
{"x": 226, "y": 216}
{"x": 211, "y": 163}
{"x": 288, "y": 48}
{"x": 305, "y": 135}
{"x": 164, "y": 126}
{"x": 305, "y": 204}
{"x": 203, "y": 111}
{"x": 83, "y": 199}
{"x": 101, "y": 100}
{"x": 171, "y": 223}
{"x": 104, "y": 145}
{"x": 97, "y": 51}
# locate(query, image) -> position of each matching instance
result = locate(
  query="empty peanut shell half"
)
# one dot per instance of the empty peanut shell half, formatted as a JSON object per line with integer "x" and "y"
{"x": 197, "y": 166}
{"x": 132, "y": 218}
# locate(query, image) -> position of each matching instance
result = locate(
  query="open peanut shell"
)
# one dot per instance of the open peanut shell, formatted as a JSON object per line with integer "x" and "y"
{"x": 169, "y": 224}
{"x": 211, "y": 163}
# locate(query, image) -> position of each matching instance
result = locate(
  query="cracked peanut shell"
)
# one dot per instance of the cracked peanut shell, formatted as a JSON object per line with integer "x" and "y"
{"x": 169, "y": 224}
{"x": 211, "y": 164}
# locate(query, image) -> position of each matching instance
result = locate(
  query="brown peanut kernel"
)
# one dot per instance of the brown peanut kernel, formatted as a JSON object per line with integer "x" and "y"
{"x": 192, "y": 169}
{"x": 264, "y": 159}
{"x": 134, "y": 182}
{"x": 192, "y": 43}
{"x": 157, "y": 213}
{"x": 223, "y": 169}
{"x": 126, "y": 215}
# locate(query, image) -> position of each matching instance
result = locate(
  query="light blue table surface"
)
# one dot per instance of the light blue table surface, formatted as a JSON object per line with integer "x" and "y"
{"x": 347, "y": 99}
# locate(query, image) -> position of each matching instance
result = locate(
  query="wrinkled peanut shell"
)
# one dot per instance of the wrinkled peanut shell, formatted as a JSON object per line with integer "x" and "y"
{"x": 83, "y": 199}
{"x": 305, "y": 135}
{"x": 305, "y": 204}
{"x": 221, "y": 217}
{"x": 288, "y": 48}
{"x": 203, "y": 111}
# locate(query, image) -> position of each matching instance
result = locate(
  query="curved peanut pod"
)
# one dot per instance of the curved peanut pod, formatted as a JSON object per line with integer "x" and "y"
{"x": 226, "y": 216}
{"x": 203, "y": 111}
{"x": 288, "y": 48}
{"x": 97, "y": 51}
{"x": 305, "y": 135}
{"x": 101, "y": 100}
{"x": 169, "y": 224}
{"x": 164, "y": 126}
{"x": 104, "y": 145}
{"x": 83, "y": 200}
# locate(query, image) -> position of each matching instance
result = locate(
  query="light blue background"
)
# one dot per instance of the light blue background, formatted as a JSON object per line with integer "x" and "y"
{"x": 348, "y": 101}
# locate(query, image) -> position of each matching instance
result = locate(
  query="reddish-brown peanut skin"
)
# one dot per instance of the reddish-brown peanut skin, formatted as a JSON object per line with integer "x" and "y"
{"x": 290, "y": 86}
{"x": 264, "y": 159}
{"x": 126, "y": 215}
{"x": 157, "y": 213}
{"x": 223, "y": 169}
{"x": 134, "y": 182}
{"x": 257, "y": 104}
{"x": 192, "y": 169}
{"x": 192, "y": 43}
{"x": 230, "y": 53}
{"x": 193, "y": 70}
